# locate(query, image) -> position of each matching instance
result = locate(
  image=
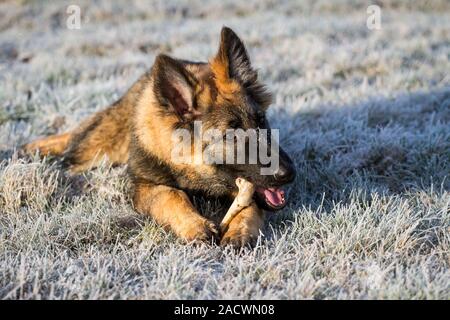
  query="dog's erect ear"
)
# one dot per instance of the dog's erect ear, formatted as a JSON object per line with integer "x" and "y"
{"x": 232, "y": 64}
{"x": 174, "y": 87}
{"x": 234, "y": 58}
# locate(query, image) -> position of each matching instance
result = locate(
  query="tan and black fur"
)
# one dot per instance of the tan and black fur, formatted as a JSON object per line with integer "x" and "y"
{"x": 136, "y": 130}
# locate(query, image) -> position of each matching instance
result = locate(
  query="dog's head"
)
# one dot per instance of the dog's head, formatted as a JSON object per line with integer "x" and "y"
{"x": 226, "y": 99}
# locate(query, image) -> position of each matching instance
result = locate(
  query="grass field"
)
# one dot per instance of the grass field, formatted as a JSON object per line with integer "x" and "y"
{"x": 364, "y": 113}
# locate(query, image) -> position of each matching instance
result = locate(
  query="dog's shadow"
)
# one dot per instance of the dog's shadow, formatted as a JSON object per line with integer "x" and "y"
{"x": 382, "y": 145}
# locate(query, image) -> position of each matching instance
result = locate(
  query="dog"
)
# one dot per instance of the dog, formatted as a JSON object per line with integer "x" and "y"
{"x": 136, "y": 130}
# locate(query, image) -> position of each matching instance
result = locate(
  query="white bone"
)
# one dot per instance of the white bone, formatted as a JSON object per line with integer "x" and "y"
{"x": 242, "y": 200}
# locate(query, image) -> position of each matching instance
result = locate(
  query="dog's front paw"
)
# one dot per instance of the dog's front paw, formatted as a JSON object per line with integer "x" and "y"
{"x": 239, "y": 237}
{"x": 244, "y": 229}
{"x": 199, "y": 230}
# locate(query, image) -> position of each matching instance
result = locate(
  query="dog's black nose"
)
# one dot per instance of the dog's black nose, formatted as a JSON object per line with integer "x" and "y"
{"x": 285, "y": 174}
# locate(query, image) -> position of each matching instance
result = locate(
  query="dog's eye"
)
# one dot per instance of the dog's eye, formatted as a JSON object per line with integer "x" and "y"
{"x": 234, "y": 124}
{"x": 260, "y": 118}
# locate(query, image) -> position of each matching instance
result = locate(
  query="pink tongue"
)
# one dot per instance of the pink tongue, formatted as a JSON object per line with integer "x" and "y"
{"x": 275, "y": 196}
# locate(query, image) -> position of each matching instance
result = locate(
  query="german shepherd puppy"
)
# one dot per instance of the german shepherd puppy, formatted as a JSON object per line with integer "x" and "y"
{"x": 224, "y": 93}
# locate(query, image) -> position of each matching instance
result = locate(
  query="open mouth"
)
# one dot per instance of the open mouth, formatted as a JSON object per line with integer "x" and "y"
{"x": 271, "y": 199}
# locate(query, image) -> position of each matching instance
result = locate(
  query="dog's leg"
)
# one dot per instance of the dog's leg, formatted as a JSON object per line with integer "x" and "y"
{"x": 172, "y": 209}
{"x": 106, "y": 133}
{"x": 244, "y": 228}
{"x": 53, "y": 145}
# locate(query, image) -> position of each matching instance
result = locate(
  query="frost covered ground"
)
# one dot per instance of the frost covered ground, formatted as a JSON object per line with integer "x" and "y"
{"x": 365, "y": 114}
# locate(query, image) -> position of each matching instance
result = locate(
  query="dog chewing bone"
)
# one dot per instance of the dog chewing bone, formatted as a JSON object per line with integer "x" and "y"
{"x": 242, "y": 200}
